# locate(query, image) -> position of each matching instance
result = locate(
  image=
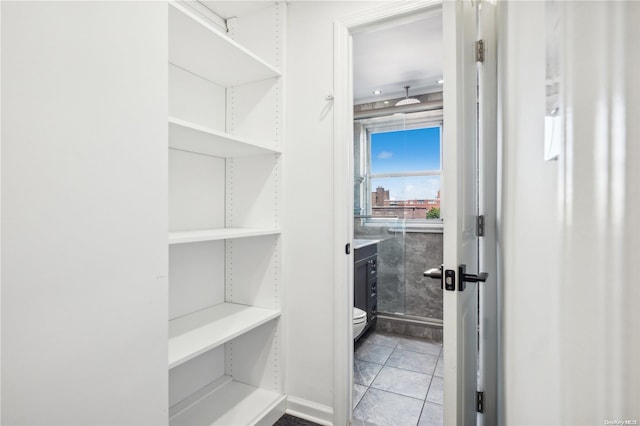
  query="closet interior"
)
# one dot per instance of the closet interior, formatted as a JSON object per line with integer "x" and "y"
{"x": 225, "y": 144}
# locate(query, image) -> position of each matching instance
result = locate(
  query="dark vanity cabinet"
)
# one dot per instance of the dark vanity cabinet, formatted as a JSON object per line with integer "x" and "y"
{"x": 365, "y": 277}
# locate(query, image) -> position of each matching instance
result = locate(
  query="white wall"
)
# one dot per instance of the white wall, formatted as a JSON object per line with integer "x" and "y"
{"x": 601, "y": 215}
{"x": 308, "y": 209}
{"x": 529, "y": 241}
{"x": 84, "y": 213}
{"x": 569, "y": 230}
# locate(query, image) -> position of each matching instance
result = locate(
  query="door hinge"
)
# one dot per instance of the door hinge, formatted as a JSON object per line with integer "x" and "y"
{"x": 480, "y": 226}
{"x": 480, "y": 51}
{"x": 480, "y": 402}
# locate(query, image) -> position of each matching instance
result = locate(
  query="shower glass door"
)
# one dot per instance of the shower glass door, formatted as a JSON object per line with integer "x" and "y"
{"x": 397, "y": 168}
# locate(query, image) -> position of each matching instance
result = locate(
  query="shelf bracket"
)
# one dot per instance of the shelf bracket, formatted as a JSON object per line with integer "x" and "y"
{"x": 231, "y": 23}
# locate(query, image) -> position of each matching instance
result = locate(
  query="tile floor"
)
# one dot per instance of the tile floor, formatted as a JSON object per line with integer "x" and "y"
{"x": 398, "y": 381}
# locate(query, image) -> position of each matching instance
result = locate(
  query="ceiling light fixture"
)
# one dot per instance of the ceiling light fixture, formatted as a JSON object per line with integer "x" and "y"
{"x": 440, "y": 81}
{"x": 377, "y": 92}
{"x": 407, "y": 100}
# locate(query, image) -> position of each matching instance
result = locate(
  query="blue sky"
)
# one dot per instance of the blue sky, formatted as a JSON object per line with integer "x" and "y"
{"x": 406, "y": 150}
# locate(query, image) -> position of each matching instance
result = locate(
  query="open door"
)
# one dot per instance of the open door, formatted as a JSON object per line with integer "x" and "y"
{"x": 463, "y": 184}
{"x": 463, "y": 130}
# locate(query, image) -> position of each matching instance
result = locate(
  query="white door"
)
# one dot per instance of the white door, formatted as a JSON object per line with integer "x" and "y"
{"x": 464, "y": 125}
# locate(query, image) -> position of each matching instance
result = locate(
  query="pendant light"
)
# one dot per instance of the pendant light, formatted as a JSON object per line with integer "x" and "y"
{"x": 407, "y": 100}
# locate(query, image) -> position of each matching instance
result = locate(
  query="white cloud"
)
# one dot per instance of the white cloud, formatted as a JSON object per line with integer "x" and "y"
{"x": 385, "y": 155}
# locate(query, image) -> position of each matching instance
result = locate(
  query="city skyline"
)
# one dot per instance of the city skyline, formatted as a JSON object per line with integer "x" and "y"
{"x": 383, "y": 206}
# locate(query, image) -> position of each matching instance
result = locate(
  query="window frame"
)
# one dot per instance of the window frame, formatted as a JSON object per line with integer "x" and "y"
{"x": 390, "y": 124}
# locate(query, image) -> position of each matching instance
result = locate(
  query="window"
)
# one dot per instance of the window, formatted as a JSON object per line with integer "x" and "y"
{"x": 403, "y": 173}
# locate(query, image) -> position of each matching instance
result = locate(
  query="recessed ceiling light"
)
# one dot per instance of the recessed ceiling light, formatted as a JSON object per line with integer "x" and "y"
{"x": 386, "y": 102}
{"x": 377, "y": 92}
{"x": 440, "y": 81}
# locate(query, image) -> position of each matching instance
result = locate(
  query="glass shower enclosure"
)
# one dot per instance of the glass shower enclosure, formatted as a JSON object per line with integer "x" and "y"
{"x": 405, "y": 251}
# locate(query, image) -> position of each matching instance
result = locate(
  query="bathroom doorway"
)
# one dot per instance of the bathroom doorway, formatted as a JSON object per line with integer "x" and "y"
{"x": 468, "y": 184}
{"x": 397, "y": 165}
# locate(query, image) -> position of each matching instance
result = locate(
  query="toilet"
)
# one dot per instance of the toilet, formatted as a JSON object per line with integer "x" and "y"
{"x": 359, "y": 321}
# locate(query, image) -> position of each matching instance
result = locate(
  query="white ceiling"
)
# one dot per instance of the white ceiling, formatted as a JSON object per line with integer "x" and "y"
{"x": 229, "y": 9}
{"x": 393, "y": 55}
{"x": 386, "y": 56}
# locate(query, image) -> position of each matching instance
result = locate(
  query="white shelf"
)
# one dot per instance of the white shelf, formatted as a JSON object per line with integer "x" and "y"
{"x": 218, "y": 234}
{"x": 202, "y": 49}
{"x": 218, "y": 82}
{"x": 192, "y": 137}
{"x": 232, "y": 403}
{"x": 203, "y": 330}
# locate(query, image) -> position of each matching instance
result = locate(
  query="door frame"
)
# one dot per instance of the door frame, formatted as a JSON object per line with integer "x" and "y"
{"x": 488, "y": 169}
{"x": 343, "y": 195}
{"x": 343, "y": 223}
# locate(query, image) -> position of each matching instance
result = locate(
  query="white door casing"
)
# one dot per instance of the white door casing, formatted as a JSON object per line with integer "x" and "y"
{"x": 460, "y": 206}
{"x": 343, "y": 195}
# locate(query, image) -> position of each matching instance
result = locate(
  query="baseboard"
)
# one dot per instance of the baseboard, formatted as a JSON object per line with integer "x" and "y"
{"x": 317, "y": 413}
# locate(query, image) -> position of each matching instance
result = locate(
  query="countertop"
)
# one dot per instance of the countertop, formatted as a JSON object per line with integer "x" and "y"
{"x": 359, "y": 243}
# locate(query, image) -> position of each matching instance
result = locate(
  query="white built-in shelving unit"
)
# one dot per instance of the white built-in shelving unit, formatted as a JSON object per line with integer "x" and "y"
{"x": 218, "y": 234}
{"x": 199, "y": 139}
{"x": 196, "y": 333}
{"x": 225, "y": 167}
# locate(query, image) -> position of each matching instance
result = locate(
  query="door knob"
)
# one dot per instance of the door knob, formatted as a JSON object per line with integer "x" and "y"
{"x": 434, "y": 273}
{"x": 464, "y": 278}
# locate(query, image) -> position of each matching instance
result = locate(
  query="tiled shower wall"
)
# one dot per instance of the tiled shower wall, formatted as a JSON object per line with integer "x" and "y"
{"x": 423, "y": 295}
